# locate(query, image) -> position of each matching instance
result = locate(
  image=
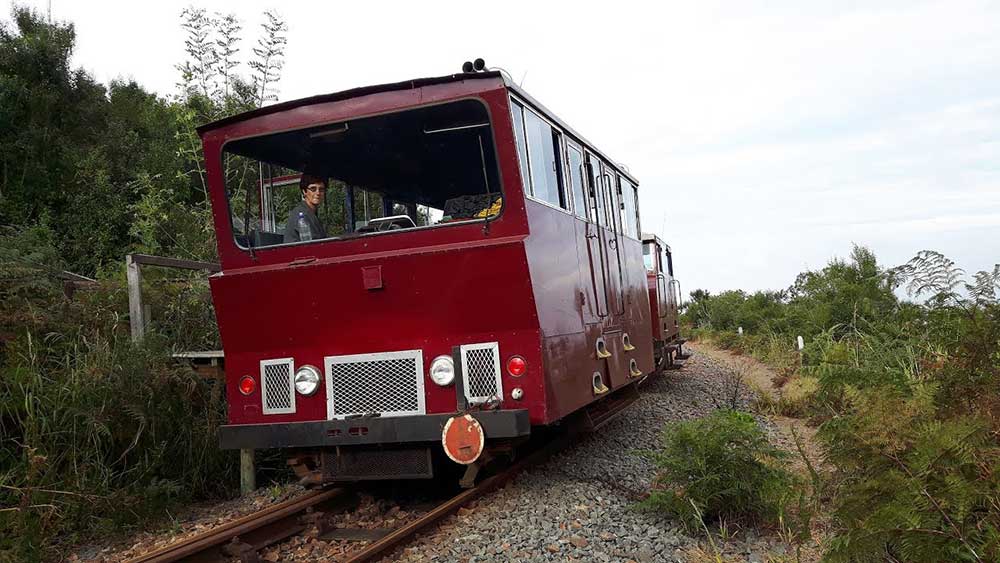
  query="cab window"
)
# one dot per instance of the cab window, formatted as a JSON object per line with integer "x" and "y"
{"x": 423, "y": 167}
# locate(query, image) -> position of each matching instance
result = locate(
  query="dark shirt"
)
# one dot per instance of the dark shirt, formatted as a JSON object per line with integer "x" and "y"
{"x": 292, "y": 225}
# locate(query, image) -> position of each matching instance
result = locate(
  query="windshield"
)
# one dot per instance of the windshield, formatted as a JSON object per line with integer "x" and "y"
{"x": 419, "y": 168}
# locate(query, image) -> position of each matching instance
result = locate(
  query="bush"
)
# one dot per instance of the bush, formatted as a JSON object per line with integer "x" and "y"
{"x": 907, "y": 395}
{"x": 798, "y": 396}
{"x": 726, "y": 340}
{"x": 97, "y": 434}
{"x": 101, "y": 439}
{"x": 913, "y": 486}
{"x": 718, "y": 467}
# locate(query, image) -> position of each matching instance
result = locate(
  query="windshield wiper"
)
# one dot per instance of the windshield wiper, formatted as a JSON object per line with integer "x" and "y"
{"x": 486, "y": 181}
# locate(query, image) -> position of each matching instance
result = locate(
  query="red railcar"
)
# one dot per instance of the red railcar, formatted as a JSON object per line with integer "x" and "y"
{"x": 481, "y": 258}
{"x": 664, "y": 300}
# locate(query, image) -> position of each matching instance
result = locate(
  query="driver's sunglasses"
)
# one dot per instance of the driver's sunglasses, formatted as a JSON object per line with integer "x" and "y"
{"x": 320, "y": 189}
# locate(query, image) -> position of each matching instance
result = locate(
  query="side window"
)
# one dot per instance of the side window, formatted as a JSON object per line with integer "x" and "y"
{"x": 635, "y": 198}
{"x": 649, "y": 256}
{"x": 630, "y": 223}
{"x": 613, "y": 200}
{"x": 597, "y": 213}
{"x": 575, "y": 175}
{"x": 543, "y": 144}
{"x": 517, "y": 115}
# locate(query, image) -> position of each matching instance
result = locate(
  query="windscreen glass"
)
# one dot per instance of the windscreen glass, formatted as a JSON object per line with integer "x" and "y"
{"x": 425, "y": 167}
{"x": 649, "y": 257}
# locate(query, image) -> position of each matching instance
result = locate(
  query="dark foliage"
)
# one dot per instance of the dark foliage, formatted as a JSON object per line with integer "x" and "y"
{"x": 98, "y": 434}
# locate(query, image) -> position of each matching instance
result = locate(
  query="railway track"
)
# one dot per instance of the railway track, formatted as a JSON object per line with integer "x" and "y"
{"x": 243, "y": 538}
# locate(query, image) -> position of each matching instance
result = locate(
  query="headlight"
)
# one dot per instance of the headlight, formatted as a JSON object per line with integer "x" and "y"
{"x": 442, "y": 370}
{"x": 306, "y": 380}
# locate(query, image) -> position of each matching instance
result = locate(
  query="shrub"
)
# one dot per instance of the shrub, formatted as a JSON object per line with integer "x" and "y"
{"x": 726, "y": 340}
{"x": 913, "y": 487}
{"x": 797, "y": 395}
{"x": 108, "y": 426}
{"x": 734, "y": 385}
{"x": 719, "y": 466}
{"x": 97, "y": 434}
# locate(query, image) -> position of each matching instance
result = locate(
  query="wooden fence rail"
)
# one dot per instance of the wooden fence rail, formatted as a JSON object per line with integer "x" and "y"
{"x": 134, "y": 263}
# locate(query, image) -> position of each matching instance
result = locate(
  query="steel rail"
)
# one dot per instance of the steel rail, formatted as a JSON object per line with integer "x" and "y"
{"x": 380, "y": 547}
{"x": 398, "y": 536}
{"x": 199, "y": 544}
{"x": 280, "y": 516}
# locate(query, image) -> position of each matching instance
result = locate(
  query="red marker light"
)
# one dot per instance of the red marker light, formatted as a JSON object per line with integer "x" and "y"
{"x": 247, "y": 385}
{"x": 516, "y": 365}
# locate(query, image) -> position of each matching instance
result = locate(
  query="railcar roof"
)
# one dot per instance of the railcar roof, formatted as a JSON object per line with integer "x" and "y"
{"x": 409, "y": 85}
{"x": 650, "y": 237}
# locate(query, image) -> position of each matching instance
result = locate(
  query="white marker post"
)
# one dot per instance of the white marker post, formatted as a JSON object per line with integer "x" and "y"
{"x": 739, "y": 331}
{"x": 801, "y": 344}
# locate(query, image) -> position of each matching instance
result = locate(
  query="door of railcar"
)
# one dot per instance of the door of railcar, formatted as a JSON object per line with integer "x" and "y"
{"x": 673, "y": 296}
{"x": 656, "y": 258}
{"x": 615, "y": 236}
{"x": 595, "y": 237}
{"x": 584, "y": 207}
{"x": 605, "y": 239}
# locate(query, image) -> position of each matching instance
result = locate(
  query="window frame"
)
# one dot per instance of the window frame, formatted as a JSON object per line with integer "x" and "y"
{"x": 625, "y": 184}
{"x": 523, "y": 160}
{"x": 572, "y": 145}
{"x": 600, "y": 215}
{"x": 354, "y": 235}
{"x": 529, "y": 191}
{"x": 571, "y": 140}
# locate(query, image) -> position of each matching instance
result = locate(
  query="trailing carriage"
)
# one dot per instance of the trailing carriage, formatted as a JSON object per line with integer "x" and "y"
{"x": 664, "y": 302}
{"x": 475, "y": 272}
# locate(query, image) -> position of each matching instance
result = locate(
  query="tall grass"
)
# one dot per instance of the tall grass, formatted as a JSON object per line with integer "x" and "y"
{"x": 97, "y": 434}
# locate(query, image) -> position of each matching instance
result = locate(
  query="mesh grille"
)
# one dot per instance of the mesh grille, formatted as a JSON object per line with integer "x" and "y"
{"x": 390, "y": 384}
{"x": 407, "y": 463}
{"x": 481, "y": 372}
{"x": 277, "y": 393}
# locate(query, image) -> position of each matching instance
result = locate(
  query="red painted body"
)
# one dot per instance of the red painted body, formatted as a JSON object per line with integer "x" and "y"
{"x": 524, "y": 282}
{"x": 664, "y": 292}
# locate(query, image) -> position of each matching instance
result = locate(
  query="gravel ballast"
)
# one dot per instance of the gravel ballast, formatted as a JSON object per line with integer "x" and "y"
{"x": 581, "y": 503}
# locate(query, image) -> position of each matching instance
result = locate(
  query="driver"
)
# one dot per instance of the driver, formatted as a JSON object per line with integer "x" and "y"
{"x": 313, "y": 191}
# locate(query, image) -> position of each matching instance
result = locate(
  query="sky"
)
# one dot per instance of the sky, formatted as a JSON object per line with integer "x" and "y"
{"x": 768, "y": 137}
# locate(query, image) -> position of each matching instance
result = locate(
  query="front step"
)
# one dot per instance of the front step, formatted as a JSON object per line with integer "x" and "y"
{"x": 678, "y": 363}
{"x": 600, "y": 413}
{"x": 680, "y": 354}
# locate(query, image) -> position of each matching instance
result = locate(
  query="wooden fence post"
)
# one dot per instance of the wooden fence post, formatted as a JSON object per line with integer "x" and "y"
{"x": 136, "y": 312}
{"x": 248, "y": 476}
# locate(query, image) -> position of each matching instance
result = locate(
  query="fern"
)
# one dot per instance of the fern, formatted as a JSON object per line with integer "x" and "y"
{"x": 718, "y": 467}
{"x": 985, "y": 285}
{"x": 930, "y": 272}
